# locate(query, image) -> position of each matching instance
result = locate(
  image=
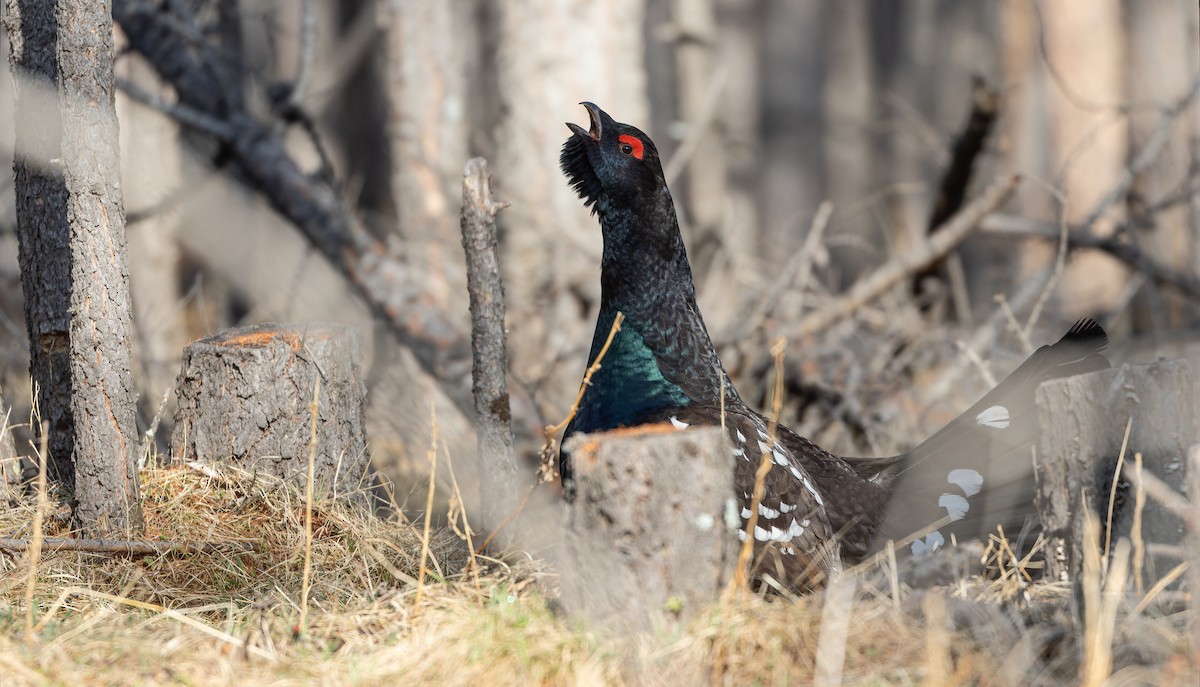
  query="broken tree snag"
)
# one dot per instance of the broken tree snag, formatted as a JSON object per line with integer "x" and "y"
{"x": 244, "y": 396}
{"x": 489, "y": 369}
{"x": 645, "y": 543}
{"x": 1083, "y": 422}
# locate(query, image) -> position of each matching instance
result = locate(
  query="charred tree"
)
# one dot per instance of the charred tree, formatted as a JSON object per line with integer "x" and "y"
{"x": 71, "y": 237}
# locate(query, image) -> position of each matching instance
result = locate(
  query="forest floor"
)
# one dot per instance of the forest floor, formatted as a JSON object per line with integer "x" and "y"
{"x": 229, "y": 617}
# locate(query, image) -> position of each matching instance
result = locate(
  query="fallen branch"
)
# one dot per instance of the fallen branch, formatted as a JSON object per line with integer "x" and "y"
{"x": 212, "y": 105}
{"x": 130, "y": 548}
{"x": 1115, "y": 245}
{"x": 902, "y": 267}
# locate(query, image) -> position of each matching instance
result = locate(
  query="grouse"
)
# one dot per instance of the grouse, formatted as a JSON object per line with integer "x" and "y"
{"x": 818, "y": 510}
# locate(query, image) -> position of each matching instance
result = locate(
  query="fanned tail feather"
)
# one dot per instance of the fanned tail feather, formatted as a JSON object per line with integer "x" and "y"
{"x": 978, "y": 469}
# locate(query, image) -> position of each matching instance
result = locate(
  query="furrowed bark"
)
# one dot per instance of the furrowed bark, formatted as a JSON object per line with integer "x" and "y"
{"x": 71, "y": 236}
{"x": 243, "y": 398}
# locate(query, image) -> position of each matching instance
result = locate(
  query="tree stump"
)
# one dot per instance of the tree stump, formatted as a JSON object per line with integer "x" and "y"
{"x": 646, "y": 541}
{"x": 1083, "y": 421}
{"x": 244, "y": 397}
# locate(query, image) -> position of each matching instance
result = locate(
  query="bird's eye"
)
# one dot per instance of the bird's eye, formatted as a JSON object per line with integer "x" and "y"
{"x": 631, "y": 145}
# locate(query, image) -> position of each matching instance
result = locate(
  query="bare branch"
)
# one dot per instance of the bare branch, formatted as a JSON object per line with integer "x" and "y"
{"x": 1116, "y": 246}
{"x": 905, "y": 266}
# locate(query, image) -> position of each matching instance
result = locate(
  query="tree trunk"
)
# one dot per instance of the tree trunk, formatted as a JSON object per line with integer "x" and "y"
{"x": 1083, "y": 422}
{"x": 1084, "y": 46}
{"x": 150, "y": 167}
{"x": 71, "y": 234}
{"x": 551, "y": 55}
{"x": 426, "y": 79}
{"x": 244, "y": 395}
{"x": 647, "y": 541}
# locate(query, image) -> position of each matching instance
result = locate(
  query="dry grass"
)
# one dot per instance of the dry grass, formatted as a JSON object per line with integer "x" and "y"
{"x": 225, "y": 619}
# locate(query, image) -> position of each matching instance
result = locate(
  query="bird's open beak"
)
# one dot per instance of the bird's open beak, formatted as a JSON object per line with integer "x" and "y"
{"x": 595, "y": 130}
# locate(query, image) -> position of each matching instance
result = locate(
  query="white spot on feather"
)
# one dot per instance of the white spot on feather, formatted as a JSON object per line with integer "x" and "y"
{"x": 678, "y": 423}
{"x": 767, "y": 512}
{"x": 742, "y": 535}
{"x": 762, "y": 446}
{"x": 740, "y": 437}
{"x": 955, "y": 505}
{"x": 786, "y": 507}
{"x": 796, "y": 529}
{"x": 931, "y": 543}
{"x": 762, "y": 435}
{"x": 745, "y": 513}
{"x": 760, "y": 534}
{"x": 995, "y": 417}
{"x": 780, "y": 458}
{"x": 807, "y": 484}
{"x": 970, "y": 481}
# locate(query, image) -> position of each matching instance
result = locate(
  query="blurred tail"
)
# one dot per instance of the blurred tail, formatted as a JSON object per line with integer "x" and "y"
{"x": 977, "y": 472}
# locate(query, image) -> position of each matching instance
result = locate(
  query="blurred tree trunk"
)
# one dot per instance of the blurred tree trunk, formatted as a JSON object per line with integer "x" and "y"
{"x": 1159, "y": 72}
{"x": 1022, "y": 130}
{"x": 793, "y": 180}
{"x": 427, "y": 45}
{"x": 71, "y": 233}
{"x": 703, "y": 86}
{"x": 552, "y": 54}
{"x": 851, "y": 154}
{"x": 1085, "y": 48}
{"x": 150, "y": 169}
{"x": 1191, "y": 27}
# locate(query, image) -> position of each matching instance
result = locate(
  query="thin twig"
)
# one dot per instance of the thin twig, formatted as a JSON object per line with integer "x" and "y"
{"x": 35, "y": 551}
{"x": 515, "y": 512}
{"x": 1139, "y": 542}
{"x": 174, "y": 615}
{"x": 308, "y": 501}
{"x": 1112, "y": 494}
{"x": 452, "y": 517}
{"x": 587, "y": 376}
{"x": 428, "y": 504}
{"x": 308, "y": 36}
{"x": 129, "y": 547}
{"x": 741, "y": 576}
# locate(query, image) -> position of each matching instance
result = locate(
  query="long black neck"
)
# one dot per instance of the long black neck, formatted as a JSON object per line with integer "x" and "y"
{"x": 663, "y": 357}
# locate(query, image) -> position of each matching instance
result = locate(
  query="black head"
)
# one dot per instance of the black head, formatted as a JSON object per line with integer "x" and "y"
{"x": 611, "y": 164}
